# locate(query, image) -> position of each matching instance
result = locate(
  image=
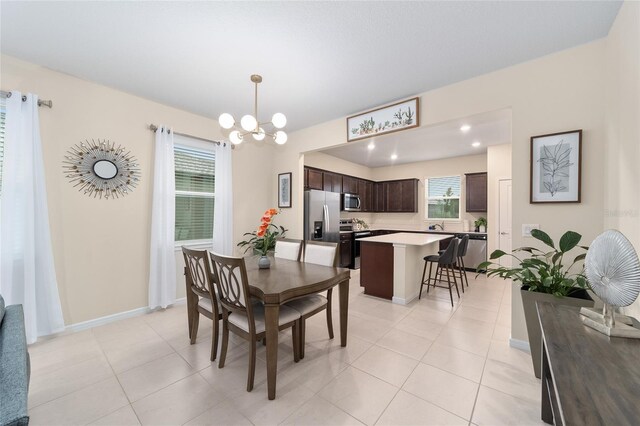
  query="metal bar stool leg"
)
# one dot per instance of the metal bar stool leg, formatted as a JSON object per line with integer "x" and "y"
{"x": 454, "y": 281}
{"x": 429, "y": 279}
{"x": 424, "y": 270}
{"x": 449, "y": 282}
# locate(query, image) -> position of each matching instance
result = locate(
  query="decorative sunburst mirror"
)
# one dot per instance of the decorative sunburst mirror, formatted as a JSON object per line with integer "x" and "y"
{"x": 100, "y": 169}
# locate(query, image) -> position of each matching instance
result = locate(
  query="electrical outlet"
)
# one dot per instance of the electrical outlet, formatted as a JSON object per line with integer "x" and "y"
{"x": 526, "y": 229}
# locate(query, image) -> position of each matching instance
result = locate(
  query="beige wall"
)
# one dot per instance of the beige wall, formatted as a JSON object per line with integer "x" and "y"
{"x": 101, "y": 248}
{"x": 622, "y": 127}
{"x": 498, "y": 167}
{"x": 563, "y": 91}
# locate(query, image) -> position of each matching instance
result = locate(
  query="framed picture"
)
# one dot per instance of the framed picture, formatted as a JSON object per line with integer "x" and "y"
{"x": 284, "y": 190}
{"x": 556, "y": 167}
{"x": 391, "y": 118}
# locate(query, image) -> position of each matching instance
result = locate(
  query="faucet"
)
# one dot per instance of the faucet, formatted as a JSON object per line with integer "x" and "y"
{"x": 439, "y": 225}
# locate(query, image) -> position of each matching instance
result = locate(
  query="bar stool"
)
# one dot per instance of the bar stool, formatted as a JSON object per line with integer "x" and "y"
{"x": 447, "y": 262}
{"x": 462, "y": 252}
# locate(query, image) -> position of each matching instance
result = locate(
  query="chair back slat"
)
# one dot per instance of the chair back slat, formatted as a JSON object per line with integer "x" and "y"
{"x": 288, "y": 249}
{"x": 230, "y": 277}
{"x": 199, "y": 271}
{"x": 462, "y": 246}
{"x": 449, "y": 255}
{"x": 321, "y": 253}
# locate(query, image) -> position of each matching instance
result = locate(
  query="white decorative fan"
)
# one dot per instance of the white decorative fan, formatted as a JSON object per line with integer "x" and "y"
{"x": 613, "y": 270}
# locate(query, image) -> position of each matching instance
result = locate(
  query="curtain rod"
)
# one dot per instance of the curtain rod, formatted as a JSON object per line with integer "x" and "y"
{"x": 154, "y": 128}
{"x": 41, "y": 102}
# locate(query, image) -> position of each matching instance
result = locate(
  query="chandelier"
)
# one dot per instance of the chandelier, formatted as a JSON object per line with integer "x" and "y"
{"x": 249, "y": 124}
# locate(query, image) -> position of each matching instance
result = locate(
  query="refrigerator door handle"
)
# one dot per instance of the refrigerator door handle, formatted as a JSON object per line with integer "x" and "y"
{"x": 326, "y": 218}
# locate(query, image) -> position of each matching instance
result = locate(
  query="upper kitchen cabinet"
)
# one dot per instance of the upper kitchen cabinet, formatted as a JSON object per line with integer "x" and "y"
{"x": 313, "y": 179}
{"x": 401, "y": 196}
{"x": 476, "y": 190}
{"x": 365, "y": 190}
{"x": 379, "y": 199}
{"x": 332, "y": 182}
{"x": 350, "y": 185}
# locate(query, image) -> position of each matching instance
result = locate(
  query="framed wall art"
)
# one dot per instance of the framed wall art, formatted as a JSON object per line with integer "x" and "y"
{"x": 284, "y": 190}
{"x": 556, "y": 167}
{"x": 391, "y": 118}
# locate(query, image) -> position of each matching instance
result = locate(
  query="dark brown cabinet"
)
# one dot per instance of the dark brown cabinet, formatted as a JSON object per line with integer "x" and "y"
{"x": 332, "y": 182}
{"x": 379, "y": 198}
{"x": 476, "y": 192}
{"x": 401, "y": 196}
{"x": 346, "y": 247}
{"x": 365, "y": 190}
{"x": 350, "y": 185}
{"x": 314, "y": 179}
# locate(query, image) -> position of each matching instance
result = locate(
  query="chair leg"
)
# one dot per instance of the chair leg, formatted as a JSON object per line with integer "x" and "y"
{"x": 301, "y": 343}
{"x": 464, "y": 270}
{"x": 456, "y": 269}
{"x": 252, "y": 365}
{"x": 194, "y": 328}
{"x": 225, "y": 343}
{"x": 449, "y": 282}
{"x": 295, "y": 333}
{"x": 264, "y": 341}
{"x": 424, "y": 271}
{"x": 455, "y": 282}
{"x": 429, "y": 279}
{"x": 214, "y": 338}
{"x": 329, "y": 314}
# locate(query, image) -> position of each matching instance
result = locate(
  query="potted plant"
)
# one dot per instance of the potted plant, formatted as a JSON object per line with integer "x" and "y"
{"x": 481, "y": 224}
{"x": 544, "y": 277}
{"x": 263, "y": 240}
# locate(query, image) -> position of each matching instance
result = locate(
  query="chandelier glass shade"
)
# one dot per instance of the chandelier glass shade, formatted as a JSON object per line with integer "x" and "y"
{"x": 250, "y": 125}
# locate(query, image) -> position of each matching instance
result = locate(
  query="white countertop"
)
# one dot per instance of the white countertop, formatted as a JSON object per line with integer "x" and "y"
{"x": 406, "y": 239}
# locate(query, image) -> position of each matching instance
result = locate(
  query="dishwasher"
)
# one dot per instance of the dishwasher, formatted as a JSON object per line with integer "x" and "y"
{"x": 476, "y": 251}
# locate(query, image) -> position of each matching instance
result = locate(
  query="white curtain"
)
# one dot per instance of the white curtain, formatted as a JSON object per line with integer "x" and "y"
{"x": 223, "y": 208}
{"x": 162, "y": 265}
{"x": 27, "y": 271}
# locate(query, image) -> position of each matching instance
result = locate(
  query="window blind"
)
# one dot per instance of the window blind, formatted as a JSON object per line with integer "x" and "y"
{"x": 438, "y": 187}
{"x": 195, "y": 186}
{"x": 443, "y": 197}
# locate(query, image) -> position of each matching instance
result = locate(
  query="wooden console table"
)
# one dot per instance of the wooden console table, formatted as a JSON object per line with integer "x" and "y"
{"x": 587, "y": 377}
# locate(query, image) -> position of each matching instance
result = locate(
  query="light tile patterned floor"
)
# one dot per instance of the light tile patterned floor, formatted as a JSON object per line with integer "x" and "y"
{"x": 426, "y": 364}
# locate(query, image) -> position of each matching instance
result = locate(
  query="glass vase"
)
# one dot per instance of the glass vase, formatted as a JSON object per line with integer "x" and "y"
{"x": 264, "y": 262}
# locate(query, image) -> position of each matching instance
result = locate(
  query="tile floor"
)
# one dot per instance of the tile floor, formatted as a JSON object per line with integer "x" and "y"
{"x": 425, "y": 363}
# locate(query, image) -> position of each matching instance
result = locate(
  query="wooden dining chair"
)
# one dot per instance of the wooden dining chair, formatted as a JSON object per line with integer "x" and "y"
{"x": 240, "y": 315}
{"x": 287, "y": 248}
{"x": 201, "y": 295}
{"x": 319, "y": 253}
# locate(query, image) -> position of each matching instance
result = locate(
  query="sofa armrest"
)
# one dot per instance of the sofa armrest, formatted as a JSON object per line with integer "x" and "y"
{"x": 14, "y": 368}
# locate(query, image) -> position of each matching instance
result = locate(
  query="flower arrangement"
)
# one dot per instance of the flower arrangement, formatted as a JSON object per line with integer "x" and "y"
{"x": 264, "y": 238}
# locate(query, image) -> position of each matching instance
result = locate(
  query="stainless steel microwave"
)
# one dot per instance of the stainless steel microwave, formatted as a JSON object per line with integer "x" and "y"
{"x": 350, "y": 203}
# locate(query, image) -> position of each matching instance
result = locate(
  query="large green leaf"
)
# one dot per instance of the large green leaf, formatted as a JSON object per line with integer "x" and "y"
{"x": 542, "y": 236}
{"x": 569, "y": 240}
{"x": 497, "y": 254}
{"x": 580, "y": 257}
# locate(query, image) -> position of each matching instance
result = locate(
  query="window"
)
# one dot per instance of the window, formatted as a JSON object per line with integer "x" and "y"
{"x": 195, "y": 186}
{"x": 442, "y": 197}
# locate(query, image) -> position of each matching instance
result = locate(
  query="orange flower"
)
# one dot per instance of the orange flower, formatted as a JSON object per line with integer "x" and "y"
{"x": 261, "y": 232}
{"x": 266, "y": 219}
{"x": 272, "y": 212}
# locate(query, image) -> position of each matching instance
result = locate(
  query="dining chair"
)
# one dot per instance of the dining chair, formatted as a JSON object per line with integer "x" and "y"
{"x": 242, "y": 316}
{"x": 201, "y": 295}
{"x": 446, "y": 262}
{"x": 319, "y": 253}
{"x": 289, "y": 249}
{"x": 462, "y": 252}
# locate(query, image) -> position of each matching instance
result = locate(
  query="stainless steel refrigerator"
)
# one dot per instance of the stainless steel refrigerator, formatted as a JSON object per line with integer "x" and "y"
{"x": 321, "y": 216}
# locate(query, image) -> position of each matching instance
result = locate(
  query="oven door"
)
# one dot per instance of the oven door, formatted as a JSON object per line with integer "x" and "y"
{"x": 350, "y": 202}
{"x": 356, "y": 239}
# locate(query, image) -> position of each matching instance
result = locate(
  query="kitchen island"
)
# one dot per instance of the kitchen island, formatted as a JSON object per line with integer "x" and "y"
{"x": 391, "y": 265}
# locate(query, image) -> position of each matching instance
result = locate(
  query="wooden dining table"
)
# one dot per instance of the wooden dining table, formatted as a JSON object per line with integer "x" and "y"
{"x": 287, "y": 280}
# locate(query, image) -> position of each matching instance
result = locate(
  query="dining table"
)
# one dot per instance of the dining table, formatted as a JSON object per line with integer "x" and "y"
{"x": 287, "y": 280}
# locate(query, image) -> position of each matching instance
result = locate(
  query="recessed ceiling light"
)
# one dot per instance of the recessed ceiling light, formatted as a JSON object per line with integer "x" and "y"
{"x": 465, "y": 128}
{"x": 475, "y": 144}
{"x": 371, "y": 146}
{"x": 394, "y": 156}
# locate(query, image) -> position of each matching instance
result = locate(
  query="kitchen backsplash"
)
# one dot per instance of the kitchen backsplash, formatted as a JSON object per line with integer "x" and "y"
{"x": 409, "y": 222}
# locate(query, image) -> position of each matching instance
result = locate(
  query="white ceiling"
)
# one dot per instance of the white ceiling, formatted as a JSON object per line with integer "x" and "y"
{"x": 319, "y": 60}
{"x": 430, "y": 143}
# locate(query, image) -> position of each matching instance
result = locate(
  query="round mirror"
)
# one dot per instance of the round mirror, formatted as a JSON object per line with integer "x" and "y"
{"x": 105, "y": 169}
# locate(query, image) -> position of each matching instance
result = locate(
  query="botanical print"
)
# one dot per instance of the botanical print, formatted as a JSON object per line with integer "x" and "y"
{"x": 284, "y": 190}
{"x": 556, "y": 167}
{"x": 400, "y": 116}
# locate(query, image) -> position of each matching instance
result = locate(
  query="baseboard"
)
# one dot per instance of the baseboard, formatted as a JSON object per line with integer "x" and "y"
{"x": 73, "y": 328}
{"x": 402, "y": 301}
{"x": 520, "y": 344}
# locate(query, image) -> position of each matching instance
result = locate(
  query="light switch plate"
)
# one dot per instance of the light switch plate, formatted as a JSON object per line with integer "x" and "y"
{"x": 526, "y": 229}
